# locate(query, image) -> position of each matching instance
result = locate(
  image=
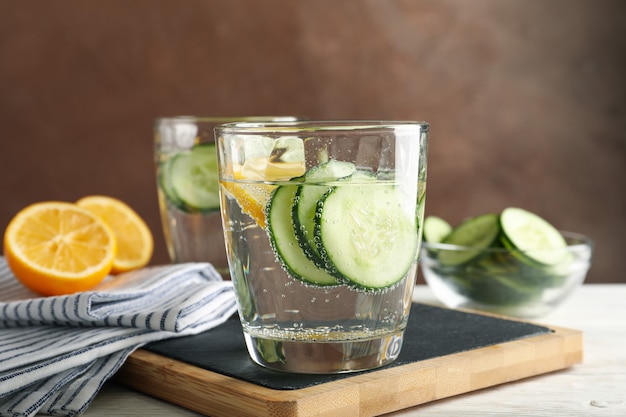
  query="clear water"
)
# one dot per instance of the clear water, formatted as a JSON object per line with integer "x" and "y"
{"x": 295, "y": 326}
{"x": 193, "y": 237}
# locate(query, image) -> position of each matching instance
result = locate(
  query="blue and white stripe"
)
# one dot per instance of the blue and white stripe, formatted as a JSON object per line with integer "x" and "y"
{"x": 56, "y": 352}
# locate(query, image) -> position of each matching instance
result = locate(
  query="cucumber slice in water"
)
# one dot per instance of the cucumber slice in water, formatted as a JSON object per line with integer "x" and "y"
{"x": 308, "y": 195}
{"x": 338, "y": 226}
{"x": 166, "y": 187}
{"x": 282, "y": 236}
{"x": 367, "y": 233}
{"x": 476, "y": 233}
{"x": 192, "y": 178}
{"x": 541, "y": 242}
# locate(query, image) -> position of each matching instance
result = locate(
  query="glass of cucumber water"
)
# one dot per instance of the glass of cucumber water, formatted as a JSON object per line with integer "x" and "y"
{"x": 323, "y": 227}
{"x": 187, "y": 183}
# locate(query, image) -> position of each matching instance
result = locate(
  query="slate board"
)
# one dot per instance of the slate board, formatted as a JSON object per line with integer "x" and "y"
{"x": 435, "y": 338}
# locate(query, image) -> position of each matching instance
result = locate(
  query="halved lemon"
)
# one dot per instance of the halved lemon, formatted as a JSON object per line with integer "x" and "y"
{"x": 57, "y": 248}
{"x": 135, "y": 243}
{"x": 253, "y": 196}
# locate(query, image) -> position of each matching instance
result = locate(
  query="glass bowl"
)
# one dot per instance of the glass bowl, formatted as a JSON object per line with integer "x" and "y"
{"x": 507, "y": 281}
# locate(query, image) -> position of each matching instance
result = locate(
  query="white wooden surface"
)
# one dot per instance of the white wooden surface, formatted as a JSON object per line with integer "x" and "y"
{"x": 595, "y": 388}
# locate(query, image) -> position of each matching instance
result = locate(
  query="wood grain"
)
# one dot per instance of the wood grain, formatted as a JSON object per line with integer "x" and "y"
{"x": 363, "y": 395}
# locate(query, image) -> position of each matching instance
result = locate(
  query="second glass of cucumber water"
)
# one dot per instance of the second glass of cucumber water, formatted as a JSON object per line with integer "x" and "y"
{"x": 187, "y": 184}
{"x": 323, "y": 224}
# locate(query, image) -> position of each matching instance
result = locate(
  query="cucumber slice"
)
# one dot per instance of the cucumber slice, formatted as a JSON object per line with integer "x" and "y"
{"x": 367, "y": 234}
{"x": 539, "y": 241}
{"x": 282, "y": 236}
{"x": 526, "y": 258}
{"x": 192, "y": 178}
{"x": 476, "y": 233}
{"x": 165, "y": 184}
{"x": 307, "y": 198}
{"x": 495, "y": 290}
{"x": 436, "y": 229}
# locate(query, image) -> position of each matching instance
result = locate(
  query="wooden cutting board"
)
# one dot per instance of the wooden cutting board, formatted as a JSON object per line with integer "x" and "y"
{"x": 445, "y": 353}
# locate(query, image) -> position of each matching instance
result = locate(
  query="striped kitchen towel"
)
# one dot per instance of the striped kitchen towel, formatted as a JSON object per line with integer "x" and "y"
{"x": 56, "y": 352}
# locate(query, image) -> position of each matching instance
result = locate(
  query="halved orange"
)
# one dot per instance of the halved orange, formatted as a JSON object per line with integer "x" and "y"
{"x": 57, "y": 248}
{"x": 134, "y": 239}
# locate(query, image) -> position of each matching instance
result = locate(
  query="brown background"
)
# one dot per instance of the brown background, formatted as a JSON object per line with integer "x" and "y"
{"x": 527, "y": 98}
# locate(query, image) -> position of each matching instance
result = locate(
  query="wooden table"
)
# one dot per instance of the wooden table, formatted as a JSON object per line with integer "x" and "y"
{"x": 595, "y": 388}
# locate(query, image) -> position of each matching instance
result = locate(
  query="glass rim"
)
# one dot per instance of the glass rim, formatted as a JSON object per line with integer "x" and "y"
{"x": 574, "y": 240}
{"x": 227, "y": 119}
{"x": 304, "y": 126}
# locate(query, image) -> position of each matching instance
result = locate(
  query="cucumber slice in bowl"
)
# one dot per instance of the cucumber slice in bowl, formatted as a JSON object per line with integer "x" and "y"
{"x": 475, "y": 235}
{"x": 367, "y": 234}
{"x": 436, "y": 229}
{"x": 282, "y": 236}
{"x": 536, "y": 241}
{"x": 192, "y": 178}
